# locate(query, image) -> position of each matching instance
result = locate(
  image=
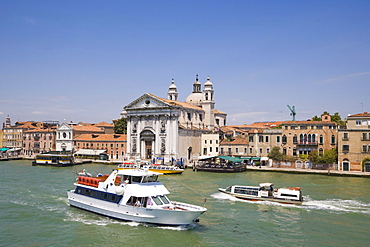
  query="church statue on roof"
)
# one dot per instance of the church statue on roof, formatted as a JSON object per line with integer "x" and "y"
{"x": 168, "y": 129}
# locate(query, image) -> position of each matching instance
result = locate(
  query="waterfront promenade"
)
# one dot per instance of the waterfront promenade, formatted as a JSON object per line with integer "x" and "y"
{"x": 310, "y": 171}
{"x": 249, "y": 168}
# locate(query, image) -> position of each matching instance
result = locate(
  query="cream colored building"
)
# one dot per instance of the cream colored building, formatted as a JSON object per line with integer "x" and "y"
{"x": 303, "y": 137}
{"x": 210, "y": 144}
{"x": 354, "y": 143}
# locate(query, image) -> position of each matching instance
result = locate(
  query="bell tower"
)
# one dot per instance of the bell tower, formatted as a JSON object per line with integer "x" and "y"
{"x": 208, "y": 105}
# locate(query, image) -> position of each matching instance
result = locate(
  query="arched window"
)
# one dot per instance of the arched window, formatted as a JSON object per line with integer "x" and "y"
{"x": 284, "y": 139}
{"x": 332, "y": 139}
{"x": 301, "y": 138}
{"x": 321, "y": 139}
{"x": 295, "y": 139}
{"x": 313, "y": 137}
{"x": 309, "y": 138}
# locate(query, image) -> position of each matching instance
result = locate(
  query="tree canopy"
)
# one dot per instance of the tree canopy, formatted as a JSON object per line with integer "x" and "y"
{"x": 275, "y": 154}
{"x": 330, "y": 156}
{"x": 120, "y": 126}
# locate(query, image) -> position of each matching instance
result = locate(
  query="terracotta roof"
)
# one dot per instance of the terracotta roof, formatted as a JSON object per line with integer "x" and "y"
{"x": 365, "y": 114}
{"x": 101, "y": 137}
{"x": 104, "y": 124}
{"x": 87, "y": 128}
{"x": 178, "y": 103}
{"x": 53, "y": 129}
{"x": 308, "y": 122}
{"x": 236, "y": 141}
{"x": 218, "y": 112}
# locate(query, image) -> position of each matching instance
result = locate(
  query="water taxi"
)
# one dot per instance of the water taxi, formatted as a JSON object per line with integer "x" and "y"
{"x": 53, "y": 160}
{"x": 265, "y": 192}
{"x": 165, "y": 169}
{"x": 132, "y": 195}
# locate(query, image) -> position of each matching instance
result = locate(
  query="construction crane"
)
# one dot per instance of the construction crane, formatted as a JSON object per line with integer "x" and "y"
{"x": 292, "y": 112}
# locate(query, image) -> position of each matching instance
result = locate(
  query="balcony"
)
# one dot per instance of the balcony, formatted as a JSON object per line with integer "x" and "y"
{"x": 307, "y": 143}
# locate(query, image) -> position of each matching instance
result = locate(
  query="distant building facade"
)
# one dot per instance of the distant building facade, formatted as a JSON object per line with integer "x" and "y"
{"x": 303, "y": 137}
{"x": 114, "y": 145}
{"x": 354, "y": 143}
{"x": 39, "y": 140}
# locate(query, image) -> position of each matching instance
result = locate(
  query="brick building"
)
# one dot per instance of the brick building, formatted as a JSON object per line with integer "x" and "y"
{"x": 114, "y": 145}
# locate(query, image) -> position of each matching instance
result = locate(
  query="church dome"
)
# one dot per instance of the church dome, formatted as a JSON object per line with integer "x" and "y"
{"x": 195, "y": 99}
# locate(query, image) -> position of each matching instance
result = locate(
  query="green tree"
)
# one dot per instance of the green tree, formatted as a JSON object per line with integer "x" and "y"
{"x": 329, "y": 157}
{"x": 275, "y": 154}
{"x": 120, "y": 126}
{"x": 316, "y": 118}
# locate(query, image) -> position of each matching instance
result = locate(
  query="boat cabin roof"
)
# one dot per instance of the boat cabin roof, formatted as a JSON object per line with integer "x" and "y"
{"x": 137, "y": 172}
{"x": 266, "y": 184}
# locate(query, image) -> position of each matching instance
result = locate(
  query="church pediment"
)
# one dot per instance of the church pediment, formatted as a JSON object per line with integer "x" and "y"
{"x": 148, "y": 101}
{"x": 64, "y": 126}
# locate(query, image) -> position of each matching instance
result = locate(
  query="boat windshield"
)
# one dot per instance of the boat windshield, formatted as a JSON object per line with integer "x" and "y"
{"x": 160, "y": 200}
{"x": 144, "y": 179}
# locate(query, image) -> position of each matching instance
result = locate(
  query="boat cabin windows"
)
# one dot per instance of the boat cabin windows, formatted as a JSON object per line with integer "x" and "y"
{"x": 99, "y": 195}
{"x": 246, "y": 190}
{"x": 160, "y": 200}
{"x": 139, "y": 201}
{"x": 144, "y": 179}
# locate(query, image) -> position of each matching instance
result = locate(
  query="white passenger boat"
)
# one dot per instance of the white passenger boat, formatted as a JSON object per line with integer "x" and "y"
{"x": 165, "y": 169}
{"x": 132, "y": 195}
{"x": 265, "y": 192}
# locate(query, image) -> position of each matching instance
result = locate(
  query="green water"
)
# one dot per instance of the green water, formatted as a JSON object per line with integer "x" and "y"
{"x": 35, "y": 211}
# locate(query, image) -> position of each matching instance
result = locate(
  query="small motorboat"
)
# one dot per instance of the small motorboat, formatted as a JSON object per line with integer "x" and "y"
{"x": 84, "y": 173}
{"x": 265, "y": 192}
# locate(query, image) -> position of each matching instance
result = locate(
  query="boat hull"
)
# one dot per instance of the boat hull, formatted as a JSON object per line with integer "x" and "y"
{"x": 257, "y": 198}
{"x": 35, "y": 163}
{"x": 220, "y": 170}
{"x": 131, "y": 213}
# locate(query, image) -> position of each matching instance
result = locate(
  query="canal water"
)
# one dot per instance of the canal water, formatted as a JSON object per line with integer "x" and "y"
{"x": 35, "y": 211}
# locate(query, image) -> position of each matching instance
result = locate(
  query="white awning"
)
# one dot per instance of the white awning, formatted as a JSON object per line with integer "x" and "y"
{"x": 14, "y": 149}
{"x": 90, "y": 151}
{"x": 264, "y": 158}
{"x": 204, "y": 157}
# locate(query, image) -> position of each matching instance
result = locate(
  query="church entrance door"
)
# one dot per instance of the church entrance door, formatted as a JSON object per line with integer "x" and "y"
{"x": 147, "y": 137}
{"x": 148, "y": 149}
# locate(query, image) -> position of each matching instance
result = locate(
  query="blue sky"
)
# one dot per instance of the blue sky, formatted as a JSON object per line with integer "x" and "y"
{"x": 85, "y": 60}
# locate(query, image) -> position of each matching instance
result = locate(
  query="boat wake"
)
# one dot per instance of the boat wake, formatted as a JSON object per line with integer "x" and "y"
{"x": 332, "y": 205}
{"x": 337, "y": 205}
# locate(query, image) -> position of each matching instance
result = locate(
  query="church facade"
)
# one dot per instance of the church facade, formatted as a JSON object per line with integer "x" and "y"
{"x": 168, "y": 129}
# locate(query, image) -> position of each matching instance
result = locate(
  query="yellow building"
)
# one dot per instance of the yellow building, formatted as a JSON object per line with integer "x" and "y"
{"x": 354, "y": 143}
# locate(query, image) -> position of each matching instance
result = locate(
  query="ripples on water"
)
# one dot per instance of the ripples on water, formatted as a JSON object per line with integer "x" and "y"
{"x": 330, "y": 205}
{"x": 35, "y": 212}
